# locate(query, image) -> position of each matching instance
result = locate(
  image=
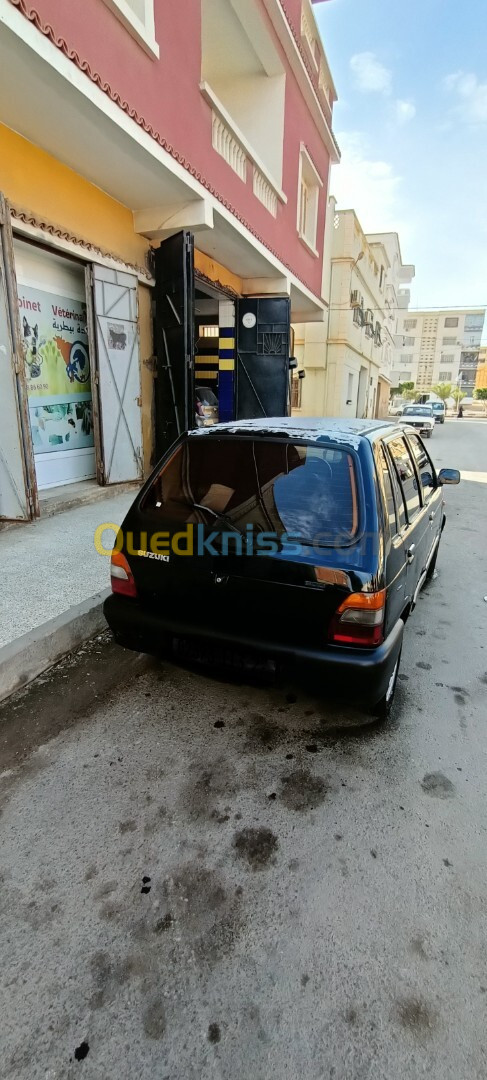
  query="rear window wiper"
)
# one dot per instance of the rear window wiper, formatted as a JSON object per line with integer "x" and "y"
{"x": 219, "y": 517}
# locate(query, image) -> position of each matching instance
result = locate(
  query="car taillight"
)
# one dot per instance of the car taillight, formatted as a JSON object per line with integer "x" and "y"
{"x": 122, "y": 578}
{"x": 359, "y": 620}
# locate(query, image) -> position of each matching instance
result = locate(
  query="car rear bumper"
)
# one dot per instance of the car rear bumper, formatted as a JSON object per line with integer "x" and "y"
{"x": 355, "y": 674}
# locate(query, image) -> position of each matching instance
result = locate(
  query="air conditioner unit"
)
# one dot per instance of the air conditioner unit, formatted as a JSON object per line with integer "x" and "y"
{"x": 356, "y": 299}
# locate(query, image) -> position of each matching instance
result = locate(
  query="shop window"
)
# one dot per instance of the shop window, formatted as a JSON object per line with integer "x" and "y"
{"x": 138, "y": 18}
{"x": 310, "y": 184}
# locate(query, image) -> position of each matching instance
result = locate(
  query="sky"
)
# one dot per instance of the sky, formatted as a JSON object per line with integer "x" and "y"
{"x": 411, "y": 123}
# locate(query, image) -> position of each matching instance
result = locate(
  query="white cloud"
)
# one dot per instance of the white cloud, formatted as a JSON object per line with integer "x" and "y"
{"x": 367, "y": 185}
{"x": 471, "y": 95}
{"x": 370, "y": 75}
{"x": 404, "y": 111}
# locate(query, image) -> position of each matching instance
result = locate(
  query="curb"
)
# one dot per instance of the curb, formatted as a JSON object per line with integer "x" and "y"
{"x": 28, "y": 656}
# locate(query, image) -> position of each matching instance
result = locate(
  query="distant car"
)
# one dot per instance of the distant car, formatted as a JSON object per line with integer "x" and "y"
{"x": 420, "y": 417}
{"x": 206, "y": 407}
{"x": 396, "y": 410}
{"x": 439, "y": 411}
{"x": 305, "y": 541}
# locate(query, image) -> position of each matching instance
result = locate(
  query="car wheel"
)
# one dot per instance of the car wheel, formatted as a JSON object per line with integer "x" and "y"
{"x": 382, "y": 709}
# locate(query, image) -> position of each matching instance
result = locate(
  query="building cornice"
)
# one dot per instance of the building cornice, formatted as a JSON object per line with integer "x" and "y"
{"x": 31, "y": 225}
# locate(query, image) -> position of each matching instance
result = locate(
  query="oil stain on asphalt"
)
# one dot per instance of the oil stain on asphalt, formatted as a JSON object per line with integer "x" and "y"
{"x": 257, "y": 847}
{"x": 438, "y": 785}
{"x": 301, "y": 791}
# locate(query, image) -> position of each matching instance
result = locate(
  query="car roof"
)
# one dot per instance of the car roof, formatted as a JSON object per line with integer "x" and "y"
{"x": 312, "y": 429}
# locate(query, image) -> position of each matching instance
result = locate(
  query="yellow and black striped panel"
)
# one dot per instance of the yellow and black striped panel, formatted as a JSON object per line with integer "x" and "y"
{"x": 206, "y": 364}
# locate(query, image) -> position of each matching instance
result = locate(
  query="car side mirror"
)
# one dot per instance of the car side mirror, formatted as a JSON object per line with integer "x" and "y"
{"x": 449, "y": 476}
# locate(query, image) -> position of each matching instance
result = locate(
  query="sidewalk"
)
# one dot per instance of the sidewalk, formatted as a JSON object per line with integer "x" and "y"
{"x": 52, "y": 576}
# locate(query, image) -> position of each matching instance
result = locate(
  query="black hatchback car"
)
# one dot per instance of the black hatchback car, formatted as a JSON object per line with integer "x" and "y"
{"x": 295, "y": 540}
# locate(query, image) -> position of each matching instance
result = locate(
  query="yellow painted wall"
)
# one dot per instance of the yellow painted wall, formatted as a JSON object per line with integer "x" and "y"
{"x": 36, "y": 182}
{"x": 216, "y": 272}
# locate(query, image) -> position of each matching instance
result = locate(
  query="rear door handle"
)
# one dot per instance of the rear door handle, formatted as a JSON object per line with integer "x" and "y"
{"x": 410, "y": 553}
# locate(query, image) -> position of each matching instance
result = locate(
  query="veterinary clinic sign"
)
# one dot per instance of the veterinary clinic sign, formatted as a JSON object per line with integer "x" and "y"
{"x": 55, "y": 345}
{"x": 57, "y": 365}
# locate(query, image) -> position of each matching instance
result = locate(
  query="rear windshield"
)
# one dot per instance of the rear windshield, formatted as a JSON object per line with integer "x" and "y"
{"x": 417, "y": 410}
{"x": 307, "y": 492}
{"x": 438, "y": 406}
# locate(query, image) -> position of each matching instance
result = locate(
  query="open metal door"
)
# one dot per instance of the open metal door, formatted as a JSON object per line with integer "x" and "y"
{"x": 263, "y": 339}
{"x": 118, "y": 375}
{"x": 174, "y": 296}
{"x": 18, "y": 488}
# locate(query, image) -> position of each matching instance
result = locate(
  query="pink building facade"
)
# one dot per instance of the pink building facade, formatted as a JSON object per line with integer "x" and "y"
{"x": 211, "y": 116}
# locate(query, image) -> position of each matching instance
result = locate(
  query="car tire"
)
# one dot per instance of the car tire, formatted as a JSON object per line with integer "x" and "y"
{"x": 383, "y": 708}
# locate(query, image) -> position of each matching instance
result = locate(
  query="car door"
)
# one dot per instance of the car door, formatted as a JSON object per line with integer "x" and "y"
{"x": 431, "y": 493}
{"x": 417, "y": 533}
{"x": 395, "y": 525}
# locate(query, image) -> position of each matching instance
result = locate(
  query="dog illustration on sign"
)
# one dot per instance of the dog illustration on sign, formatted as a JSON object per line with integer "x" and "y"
{"x": 117, "y": 337}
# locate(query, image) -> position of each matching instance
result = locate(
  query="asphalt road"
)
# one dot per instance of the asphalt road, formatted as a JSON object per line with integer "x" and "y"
{"x": 204, "y": 880}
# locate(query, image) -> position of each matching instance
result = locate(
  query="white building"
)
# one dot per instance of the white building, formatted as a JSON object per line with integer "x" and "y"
{"x": 439, "y": 346}
{"x": 350, "y": 373}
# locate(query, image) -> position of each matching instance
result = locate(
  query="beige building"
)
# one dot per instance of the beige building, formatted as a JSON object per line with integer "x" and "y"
{"x": 439, "y": 346}
{"x": 349, "y": 362}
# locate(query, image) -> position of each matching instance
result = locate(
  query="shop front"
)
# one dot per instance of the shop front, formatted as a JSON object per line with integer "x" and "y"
{"x": 210, "y": 337}
{"x": 53, "y": 317}
{"x": 70, "y": 373}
